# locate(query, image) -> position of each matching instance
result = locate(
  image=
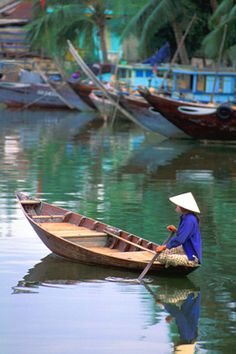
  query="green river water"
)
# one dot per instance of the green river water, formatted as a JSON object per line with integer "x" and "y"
{"x": 124, "y": 177}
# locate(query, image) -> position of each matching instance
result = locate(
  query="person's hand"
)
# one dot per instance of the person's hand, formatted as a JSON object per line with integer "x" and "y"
{"x": 160, "y": 249}
{"x": 171, "y": 228}
{"x": 168, "y": 319}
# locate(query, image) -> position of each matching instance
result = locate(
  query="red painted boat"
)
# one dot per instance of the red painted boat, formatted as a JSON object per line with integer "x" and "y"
{"x": 83, "y": 90}
{"x": 200, "y": 121}
{"x": 82, "y": 239}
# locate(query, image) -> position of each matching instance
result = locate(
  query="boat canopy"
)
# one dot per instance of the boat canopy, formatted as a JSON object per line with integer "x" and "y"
{"x": 204, "y": 85}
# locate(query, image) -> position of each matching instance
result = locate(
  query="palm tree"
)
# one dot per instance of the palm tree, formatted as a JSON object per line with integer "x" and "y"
{"x": 223, "y": 33}
{"x": 83, "y": 21}
{"x": 157, "y": 14}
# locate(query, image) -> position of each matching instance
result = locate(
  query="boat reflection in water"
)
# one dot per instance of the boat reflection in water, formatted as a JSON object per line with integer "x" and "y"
{"x": 54, "y": 270}
{"x": 178, "y": 298}
{"x": 184, "y": 160}
{"x": 181, "y": 302}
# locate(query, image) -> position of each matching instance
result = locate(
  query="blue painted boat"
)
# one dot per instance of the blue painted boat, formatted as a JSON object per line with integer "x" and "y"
{"x": 203, "y": 85}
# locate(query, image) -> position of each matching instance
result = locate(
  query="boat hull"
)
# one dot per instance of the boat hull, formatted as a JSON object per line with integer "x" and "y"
{"x": 38, "y": 96}
{"x": 200, "y": 121}
{"x": 83, "y": 91}
{"x": 107, "y": 108}
{"x": 150, "y": 119}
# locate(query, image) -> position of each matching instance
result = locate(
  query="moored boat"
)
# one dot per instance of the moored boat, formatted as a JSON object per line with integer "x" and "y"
{"x": 35, "y": 89}
{"x": 82, "y": 239}
{"x": 149, "y": 118}
{"x": 107, "y": 107}
{"x": 83, "y": 90}
{"x": 200, "y": 121}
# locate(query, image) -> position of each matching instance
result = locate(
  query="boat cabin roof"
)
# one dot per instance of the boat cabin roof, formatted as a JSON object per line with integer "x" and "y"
{"x": 205, "y": 72}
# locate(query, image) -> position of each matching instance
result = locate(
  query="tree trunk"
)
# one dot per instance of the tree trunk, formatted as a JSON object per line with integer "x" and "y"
{"x": 103, "y": 43}
{"x": 214, "y": 5}
{"x": 178, "y": 36}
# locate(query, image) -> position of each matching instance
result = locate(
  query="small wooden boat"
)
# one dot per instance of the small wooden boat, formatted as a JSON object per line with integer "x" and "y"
{"x": 82, "y": 239}
{"x": 198, "y": 120}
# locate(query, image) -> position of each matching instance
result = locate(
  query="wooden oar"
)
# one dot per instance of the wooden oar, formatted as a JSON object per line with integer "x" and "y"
{"x": 146, "y": 269}
{"x": 127, "y": 241}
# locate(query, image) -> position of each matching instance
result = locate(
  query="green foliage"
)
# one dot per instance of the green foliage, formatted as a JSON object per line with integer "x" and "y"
{"x": 224, "y": 19}
{"x": 81, "y": 22}
{"x": 149, "y": 20}
{"x": 153, "y": 24}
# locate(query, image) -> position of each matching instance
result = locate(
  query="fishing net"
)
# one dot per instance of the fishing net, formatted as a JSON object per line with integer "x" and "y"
{"x": 176, "y": 257}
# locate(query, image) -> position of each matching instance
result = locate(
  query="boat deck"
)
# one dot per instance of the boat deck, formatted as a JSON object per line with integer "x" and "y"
{"x": 66, "y": 230}
{"x": 138, "y": 256}
{"x": 77, "y": 234}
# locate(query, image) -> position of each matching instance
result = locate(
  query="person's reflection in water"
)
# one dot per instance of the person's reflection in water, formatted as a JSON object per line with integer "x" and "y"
{"x": 183, "y": 307}
{"x": 186, "y": 314}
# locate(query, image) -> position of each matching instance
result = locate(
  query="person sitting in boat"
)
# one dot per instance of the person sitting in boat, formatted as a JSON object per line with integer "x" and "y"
{"x": 185, "y": 247}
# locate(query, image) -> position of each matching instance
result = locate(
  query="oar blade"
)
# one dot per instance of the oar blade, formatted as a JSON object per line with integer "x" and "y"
{"x": 146, "y": 269}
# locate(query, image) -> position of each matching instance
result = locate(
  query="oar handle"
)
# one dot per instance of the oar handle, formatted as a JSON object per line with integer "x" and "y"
{"x": 169, "y": 237}
{"x": 127, "y": 241}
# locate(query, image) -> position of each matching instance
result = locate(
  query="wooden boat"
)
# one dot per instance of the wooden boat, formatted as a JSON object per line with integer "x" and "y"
{"x": 82, "y": 239}
{"x": 200, "y": 121}
{"x": 105, "y": 106}
{"x": 83, "y": 90}
{"x": 34, "y": 89}
{"x": 38, "y": 95}
{"x": 149, "y": 118}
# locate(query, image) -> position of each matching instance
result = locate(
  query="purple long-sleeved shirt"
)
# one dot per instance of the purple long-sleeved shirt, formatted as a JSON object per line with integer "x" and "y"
{"x": 188, "y": 235}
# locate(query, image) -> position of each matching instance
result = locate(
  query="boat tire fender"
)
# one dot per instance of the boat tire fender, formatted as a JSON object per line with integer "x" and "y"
{"x": 224, "y": 112}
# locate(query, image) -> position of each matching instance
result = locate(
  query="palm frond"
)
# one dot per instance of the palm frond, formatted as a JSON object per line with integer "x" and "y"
{"x": 232, "y": 14}
{"x": 223, "y": 9}
{"x": 212, "y": 42}
{"x": 161, "y": 15}
{"x": 136, "y": 23}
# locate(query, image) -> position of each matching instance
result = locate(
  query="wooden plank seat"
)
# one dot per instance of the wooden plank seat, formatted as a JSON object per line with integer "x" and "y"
{"x": 30, "y": 202}
{"x": 46, "y": 216}
{"x": 70, "y": 230}
{"x": 64, "y": 217}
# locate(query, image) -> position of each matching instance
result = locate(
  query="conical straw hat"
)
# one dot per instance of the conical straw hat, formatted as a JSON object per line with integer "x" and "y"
{"x": 186, "y": 201}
